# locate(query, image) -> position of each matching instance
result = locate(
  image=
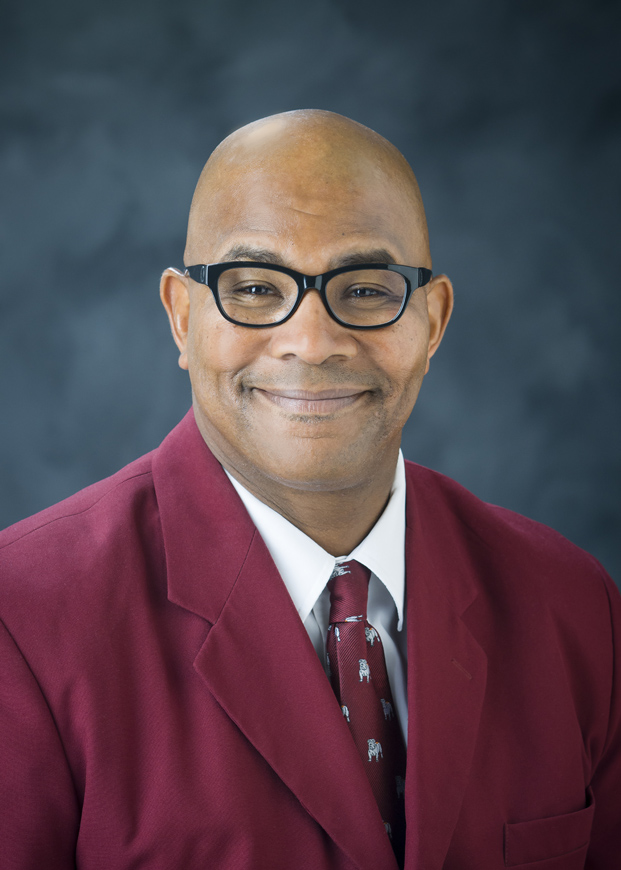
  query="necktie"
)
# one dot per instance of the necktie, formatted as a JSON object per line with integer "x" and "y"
{"x": 360, "y": 681}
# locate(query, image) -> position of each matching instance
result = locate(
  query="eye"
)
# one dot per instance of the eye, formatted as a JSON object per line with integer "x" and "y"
{"x": 252, "y": 292}
{"x": 368, "y": 291}
{"x": 366, "y": 295}
{"x": 255, "y": 290}
{"x": 363, "y": 291}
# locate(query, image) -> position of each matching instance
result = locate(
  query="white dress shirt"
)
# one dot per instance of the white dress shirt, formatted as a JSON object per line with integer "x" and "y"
{"x": 305, "y": 568}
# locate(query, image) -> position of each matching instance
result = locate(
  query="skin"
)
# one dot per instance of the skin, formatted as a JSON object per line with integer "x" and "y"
{"x": 307, "y": 415}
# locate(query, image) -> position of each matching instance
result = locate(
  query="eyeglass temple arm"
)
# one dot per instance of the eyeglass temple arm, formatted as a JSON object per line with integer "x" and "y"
{"x": 197, "y": 273}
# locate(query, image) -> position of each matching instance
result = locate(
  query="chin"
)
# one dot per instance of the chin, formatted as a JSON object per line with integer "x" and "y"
{"x": 330, "y": 473}
{"x": 315, "y": 485}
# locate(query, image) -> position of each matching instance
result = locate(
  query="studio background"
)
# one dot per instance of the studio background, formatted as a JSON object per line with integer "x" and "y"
{"x": 510, "y": 114}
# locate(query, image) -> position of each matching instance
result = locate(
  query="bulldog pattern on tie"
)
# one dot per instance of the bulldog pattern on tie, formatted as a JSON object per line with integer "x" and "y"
{"x": 360, "y": 681}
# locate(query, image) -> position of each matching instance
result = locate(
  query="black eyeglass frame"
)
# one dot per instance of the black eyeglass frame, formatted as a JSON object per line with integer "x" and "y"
{"x": 415, "y": 277}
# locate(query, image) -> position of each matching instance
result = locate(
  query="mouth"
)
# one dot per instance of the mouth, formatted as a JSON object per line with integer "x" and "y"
{"x": 321, "y": 402}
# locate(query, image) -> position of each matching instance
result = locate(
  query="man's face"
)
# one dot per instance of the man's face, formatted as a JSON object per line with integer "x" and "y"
{"x": 309, "y": 404}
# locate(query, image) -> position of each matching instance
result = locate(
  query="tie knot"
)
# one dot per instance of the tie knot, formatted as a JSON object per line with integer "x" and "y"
{"x": 349, "y": 587}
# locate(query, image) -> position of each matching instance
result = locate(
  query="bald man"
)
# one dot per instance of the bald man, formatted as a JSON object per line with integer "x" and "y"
{"x": 272, "y": 643}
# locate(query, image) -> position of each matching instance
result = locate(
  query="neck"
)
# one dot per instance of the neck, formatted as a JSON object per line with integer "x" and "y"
{"x": 337, "y": 521}
{"x": 337, "y": 509}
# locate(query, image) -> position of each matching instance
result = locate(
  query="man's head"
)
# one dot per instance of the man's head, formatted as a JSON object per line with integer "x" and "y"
{"x": 308, "y": 404}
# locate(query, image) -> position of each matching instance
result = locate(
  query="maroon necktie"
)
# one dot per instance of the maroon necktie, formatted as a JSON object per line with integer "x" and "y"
{"x": 360, "y": 681}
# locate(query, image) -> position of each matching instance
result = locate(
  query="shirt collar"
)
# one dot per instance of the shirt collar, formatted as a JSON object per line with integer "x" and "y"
{"x": 305, "y": 567}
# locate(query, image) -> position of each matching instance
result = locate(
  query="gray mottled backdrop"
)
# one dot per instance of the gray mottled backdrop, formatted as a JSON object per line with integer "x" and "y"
{"x": 510, "y": 114}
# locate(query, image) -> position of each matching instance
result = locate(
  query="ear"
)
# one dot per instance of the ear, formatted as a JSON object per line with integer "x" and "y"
{"x": 176, "y": 300}
{"x": 439, "y": 305}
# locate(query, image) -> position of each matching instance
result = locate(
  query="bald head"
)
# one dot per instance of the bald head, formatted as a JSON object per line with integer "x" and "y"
{"x": 309, "y": 404}
{"x": 309, "y": 157}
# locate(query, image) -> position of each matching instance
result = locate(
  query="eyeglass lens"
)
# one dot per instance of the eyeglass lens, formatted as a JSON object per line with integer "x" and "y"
{"x": 365, "y": 297}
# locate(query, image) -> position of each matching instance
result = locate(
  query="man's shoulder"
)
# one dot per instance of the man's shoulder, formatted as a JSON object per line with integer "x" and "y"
{"x": 66, "y": 571}
{"x": 113, "y": 533}
{"x": 65, "y": 553}
{"x": 521, "y": 572}
{"x": 511, "y": 544}
{"x": 106, "y": 501}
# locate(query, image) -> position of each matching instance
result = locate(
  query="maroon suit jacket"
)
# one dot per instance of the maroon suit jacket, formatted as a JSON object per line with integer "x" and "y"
{"x": 162, "y": 707}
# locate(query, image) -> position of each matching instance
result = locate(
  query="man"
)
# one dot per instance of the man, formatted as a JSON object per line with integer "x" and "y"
{"x": 167, "y": 700}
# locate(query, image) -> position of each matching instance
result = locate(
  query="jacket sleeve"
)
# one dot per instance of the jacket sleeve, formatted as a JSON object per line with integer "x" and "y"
{"x": 605, "y": 848}
{"x": 38, "y": 804}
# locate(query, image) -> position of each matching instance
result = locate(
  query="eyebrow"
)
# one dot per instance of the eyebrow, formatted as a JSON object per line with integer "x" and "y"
{"x": 374, "y": 255}
{"x": 257, "y": 255}
{"x": 264, "y": 255}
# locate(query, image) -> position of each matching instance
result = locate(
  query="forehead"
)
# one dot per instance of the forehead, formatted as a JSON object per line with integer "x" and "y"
{"x": 308, "y": 214}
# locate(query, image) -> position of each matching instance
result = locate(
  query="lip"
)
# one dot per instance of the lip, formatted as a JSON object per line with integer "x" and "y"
{"x": 312, "y": 401}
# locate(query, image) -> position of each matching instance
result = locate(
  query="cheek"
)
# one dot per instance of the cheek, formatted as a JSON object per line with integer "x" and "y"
{"x": 407, "y": 380}
{"x": 404, "y": 359}
{"x": 217, "y": 352}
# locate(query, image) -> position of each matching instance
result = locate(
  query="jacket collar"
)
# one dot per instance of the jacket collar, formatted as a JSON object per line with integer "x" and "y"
{"x": 447, "y": 668}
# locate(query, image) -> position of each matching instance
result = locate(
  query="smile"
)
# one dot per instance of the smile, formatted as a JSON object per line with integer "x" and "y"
{"x": 312, "y": 402}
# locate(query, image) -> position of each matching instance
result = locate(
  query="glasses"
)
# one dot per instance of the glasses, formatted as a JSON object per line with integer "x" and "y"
{"x": 259, "y": 295}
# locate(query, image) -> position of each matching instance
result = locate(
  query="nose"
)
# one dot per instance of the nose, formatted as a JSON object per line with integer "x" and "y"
{"x": 312, "y": 335}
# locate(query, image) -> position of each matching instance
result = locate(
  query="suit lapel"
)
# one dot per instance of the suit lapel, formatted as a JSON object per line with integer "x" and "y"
{"x": 447, "y": 672}
{"x": 261, "y": 667}
{"x": 257, "y": 660}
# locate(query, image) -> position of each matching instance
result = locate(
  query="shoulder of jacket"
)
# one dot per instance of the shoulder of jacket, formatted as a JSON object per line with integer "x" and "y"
{"x": 106, "y": 497}
{"x": 508, "y": 537}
